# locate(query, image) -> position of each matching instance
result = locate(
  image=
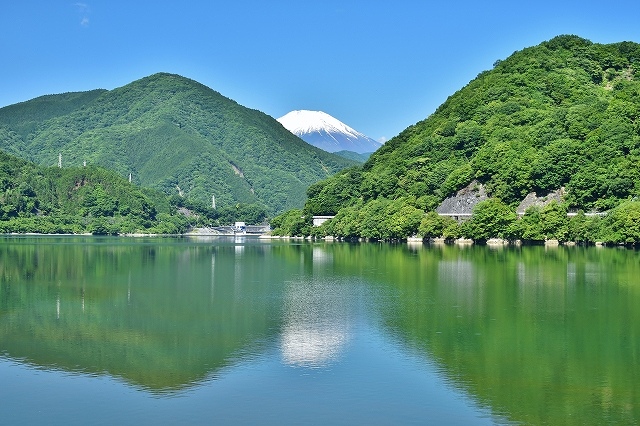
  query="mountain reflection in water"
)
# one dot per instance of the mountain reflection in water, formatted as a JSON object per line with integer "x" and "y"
{"x": 160, "y": 317}
{"x": 529, "y": 335}
{"x": 316, "y": 323}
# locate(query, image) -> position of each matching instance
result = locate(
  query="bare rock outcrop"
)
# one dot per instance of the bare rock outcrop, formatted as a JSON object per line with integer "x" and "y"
{"x": 532, "y": 200}
{"x": 464, "y": 201}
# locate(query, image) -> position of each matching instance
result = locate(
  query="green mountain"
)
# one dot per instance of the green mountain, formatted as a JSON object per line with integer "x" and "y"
{"x": 92, "y": 199}
{"x": 559, "y": 117}
{"x": 172, "y": 134}
{"x": 561, "y": 114}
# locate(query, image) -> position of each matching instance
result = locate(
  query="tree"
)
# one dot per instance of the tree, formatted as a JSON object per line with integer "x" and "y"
{"x": 433, "y": 225}
{"x": 402, "y": 220}
{"x": 291, "y": 223}
{"x": 528, "y": 227}
{"x": 490, "y": 219}
{"x": 584, "y": 229}
{"x": 554, "y": 223}
{"x": 622, "y": 224}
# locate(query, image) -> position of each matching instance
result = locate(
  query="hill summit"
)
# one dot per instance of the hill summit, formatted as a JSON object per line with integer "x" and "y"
{"x": 326, "y": 132}
{"x": 173, "y": 134}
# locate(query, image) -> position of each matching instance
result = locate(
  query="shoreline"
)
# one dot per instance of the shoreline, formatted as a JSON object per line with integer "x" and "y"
{"x": 413, "y": 241}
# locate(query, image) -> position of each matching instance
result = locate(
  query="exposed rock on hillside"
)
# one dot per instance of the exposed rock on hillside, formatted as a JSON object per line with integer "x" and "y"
{"x": 464, "y": 201}
{"x": 531, "y": 200}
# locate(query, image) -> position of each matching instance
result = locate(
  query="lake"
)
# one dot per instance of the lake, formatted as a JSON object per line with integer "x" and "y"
{"x": 243, "y": 331}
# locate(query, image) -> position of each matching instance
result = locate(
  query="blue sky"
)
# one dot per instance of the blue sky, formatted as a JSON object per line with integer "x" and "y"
{"x": 378, "y": 66}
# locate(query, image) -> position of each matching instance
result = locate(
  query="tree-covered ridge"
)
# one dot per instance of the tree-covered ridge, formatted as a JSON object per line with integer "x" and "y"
{"x": 25, "y": 117}
{"x": 95, "y": 200}
{"x": 77, "y": 200}
{"x": 175, "y": 135}
{"x": 563, "y": 114}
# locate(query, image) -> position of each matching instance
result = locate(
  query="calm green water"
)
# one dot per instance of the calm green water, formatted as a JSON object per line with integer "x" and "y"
{"x": 140, "y": 331}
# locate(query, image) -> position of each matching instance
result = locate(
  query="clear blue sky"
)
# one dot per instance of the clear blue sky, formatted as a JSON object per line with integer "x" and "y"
{"x": 378, "y": 66}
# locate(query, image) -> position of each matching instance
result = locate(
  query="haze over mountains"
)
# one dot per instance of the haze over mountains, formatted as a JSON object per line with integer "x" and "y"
{"x": 326, "y": 132}
{"x": 172, "y": 134}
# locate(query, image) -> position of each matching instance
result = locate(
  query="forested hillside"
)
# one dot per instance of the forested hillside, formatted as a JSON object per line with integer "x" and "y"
{"x": 563, "y": 114}
{"x": 171, "y": 134}
{"x": 95, "y": 200}
{"x": 78, "y": 199}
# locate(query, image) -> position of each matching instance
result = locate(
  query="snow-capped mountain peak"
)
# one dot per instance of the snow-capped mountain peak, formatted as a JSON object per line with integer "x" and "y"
{"x": 303, "y": 121}
{"x": 326, "y": 132}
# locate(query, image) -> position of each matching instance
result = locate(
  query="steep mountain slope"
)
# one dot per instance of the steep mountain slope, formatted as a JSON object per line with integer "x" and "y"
{"x": 172, "y": 134}
{"x": 565, "y": 113}
{"x": 326, "y": 132}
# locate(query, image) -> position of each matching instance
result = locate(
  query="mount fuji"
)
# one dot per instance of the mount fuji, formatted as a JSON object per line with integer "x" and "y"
{"x": 326, "y": 132}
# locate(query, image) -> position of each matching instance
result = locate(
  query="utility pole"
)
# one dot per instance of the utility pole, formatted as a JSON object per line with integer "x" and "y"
{"x": 213, "y": 202}
{"x": 129, "y": 177}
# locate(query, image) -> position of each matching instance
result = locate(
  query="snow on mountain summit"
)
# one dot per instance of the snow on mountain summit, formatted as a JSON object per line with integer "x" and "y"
{"x": 326, "y": 132}
{"x": 303, "y": 121}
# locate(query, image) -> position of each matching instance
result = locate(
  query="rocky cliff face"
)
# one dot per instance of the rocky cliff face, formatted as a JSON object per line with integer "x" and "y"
{"x": 532, "y": 200}
{"x": 464, "y": 201}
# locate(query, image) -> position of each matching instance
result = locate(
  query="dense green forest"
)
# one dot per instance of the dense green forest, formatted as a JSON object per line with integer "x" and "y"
{"x": 174, "y": 135}
{"x": 563, "y": 114}
{"x": 94, "y": 200}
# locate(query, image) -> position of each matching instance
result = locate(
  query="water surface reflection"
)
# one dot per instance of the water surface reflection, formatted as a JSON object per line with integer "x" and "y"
{"x": 324, "y": 332}
{"x": 316, "y": 322}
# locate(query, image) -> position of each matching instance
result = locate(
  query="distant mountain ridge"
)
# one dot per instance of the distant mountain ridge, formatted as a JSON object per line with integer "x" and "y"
{"x": 360, "y": 158}
{"x": 172, "y": 134}
{"x": 326, "y": 132}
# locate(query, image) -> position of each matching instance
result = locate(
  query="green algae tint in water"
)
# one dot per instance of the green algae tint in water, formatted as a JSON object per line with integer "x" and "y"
{"x": 216, "y": 331}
